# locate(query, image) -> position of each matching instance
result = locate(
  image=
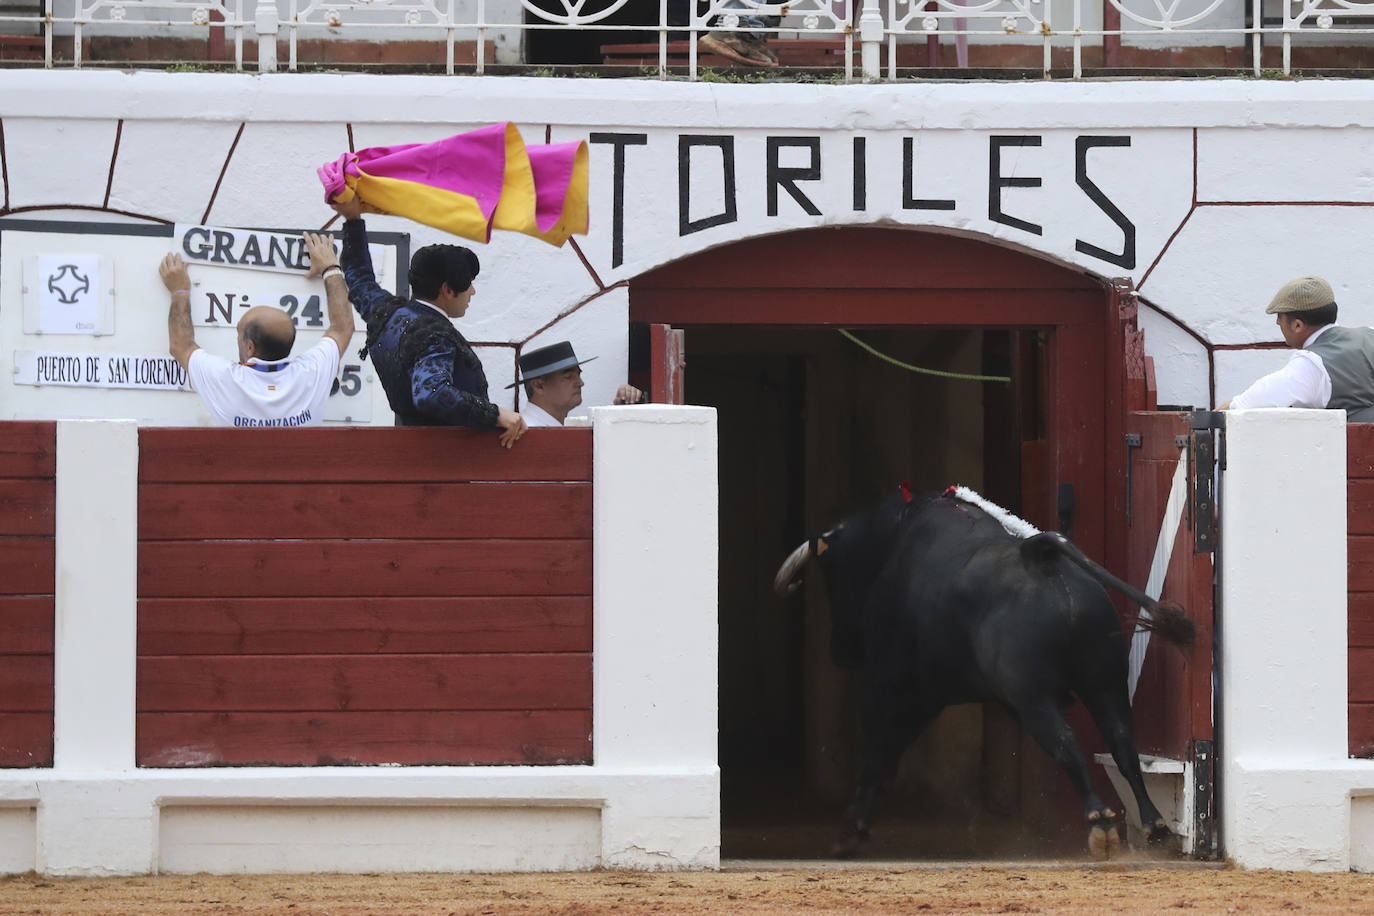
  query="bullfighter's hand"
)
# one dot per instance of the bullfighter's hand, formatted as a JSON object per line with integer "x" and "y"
{"x": 353, "y": 209}
{"x": 512, "y": 426}
{"x": 175, "y": 275}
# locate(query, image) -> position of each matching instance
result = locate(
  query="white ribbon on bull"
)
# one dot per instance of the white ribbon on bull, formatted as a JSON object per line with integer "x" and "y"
{"x": 1014, "y": 524}
{"x": 1174, "y": 617}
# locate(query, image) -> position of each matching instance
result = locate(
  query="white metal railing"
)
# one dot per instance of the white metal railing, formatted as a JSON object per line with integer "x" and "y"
{"x": 867, "y": 26}
{"x": 141, "y": 16}
{"x": 1331, "y": 17}
{"x": 963, "y": 18}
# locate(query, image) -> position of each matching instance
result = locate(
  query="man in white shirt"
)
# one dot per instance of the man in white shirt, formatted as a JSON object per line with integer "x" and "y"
{"x": 553, "y": 385}
{"x": 266, "y": 387}
{"x": 1334, "y": 366}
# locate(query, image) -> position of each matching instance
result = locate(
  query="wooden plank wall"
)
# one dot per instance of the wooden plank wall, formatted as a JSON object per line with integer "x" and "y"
{"x": 1360, "y": 561}
{"x": 27, "y": 562}
{"x": 361, "y": 596}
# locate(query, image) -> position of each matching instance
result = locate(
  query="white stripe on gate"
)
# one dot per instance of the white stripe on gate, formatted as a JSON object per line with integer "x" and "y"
{"x": 1159, "y": 566}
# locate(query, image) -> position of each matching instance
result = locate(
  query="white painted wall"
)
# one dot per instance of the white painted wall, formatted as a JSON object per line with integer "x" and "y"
{"x": 650, "y": 800}
{"x": 1228, "y": 145}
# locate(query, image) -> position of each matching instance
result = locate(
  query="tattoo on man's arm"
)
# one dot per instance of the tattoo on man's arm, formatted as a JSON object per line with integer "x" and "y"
{"x": 180, "y": 332}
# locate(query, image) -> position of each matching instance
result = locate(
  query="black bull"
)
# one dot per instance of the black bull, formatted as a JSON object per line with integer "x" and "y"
{"x": 937, "y": 604}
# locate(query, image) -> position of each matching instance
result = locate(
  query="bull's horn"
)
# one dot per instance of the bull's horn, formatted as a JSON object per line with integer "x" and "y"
{"x": 787, "y": 572}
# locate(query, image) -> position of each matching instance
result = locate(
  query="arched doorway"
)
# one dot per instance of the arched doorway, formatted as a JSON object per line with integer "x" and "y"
{"x": 812, "y": 426}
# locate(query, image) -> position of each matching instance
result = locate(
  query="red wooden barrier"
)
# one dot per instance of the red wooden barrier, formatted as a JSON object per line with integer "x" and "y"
{"x": 1360, "y": 562}
{"x": 27, "y": 562}
{"x": 354, "y": 596}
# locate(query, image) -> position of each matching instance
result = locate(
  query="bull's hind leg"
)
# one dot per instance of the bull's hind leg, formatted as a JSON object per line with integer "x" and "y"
{"x": 1046, "y": 723}
{"x": 1111, "y": 710}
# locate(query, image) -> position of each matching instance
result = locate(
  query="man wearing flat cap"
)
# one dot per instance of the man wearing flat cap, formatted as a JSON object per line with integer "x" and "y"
{"x": 552, "y": 377}
{"x": 1334, "y": 366}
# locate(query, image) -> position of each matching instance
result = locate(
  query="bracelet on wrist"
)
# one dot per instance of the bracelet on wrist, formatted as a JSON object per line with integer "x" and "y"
{"x": 332, "y": 268}
{"x": 186, "y": 291}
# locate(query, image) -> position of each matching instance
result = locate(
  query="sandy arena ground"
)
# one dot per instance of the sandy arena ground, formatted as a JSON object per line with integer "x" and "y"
{"x": 742, "y": 887}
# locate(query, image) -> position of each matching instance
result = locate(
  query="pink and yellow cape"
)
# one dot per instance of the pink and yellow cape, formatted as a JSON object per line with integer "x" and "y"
{"x": 471, "y": 183}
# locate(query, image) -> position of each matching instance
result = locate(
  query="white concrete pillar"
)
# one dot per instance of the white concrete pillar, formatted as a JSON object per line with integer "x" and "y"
{"x": 82, "y": 830}
{"x": 97, "y": 826}
{"x": 654, "y": 585}
{"x": 1284, "y": 658}
{"x": 96, "y": 637}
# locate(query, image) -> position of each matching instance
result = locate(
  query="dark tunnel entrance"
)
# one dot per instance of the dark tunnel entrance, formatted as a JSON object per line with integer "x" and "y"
{"x": 811, "y": 426}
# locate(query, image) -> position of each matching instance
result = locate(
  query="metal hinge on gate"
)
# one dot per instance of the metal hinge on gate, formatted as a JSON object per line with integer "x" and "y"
{"x": 1202, "y": 470}
{"x": 1204, "y": 826}
{"x": 1132, "y": 443}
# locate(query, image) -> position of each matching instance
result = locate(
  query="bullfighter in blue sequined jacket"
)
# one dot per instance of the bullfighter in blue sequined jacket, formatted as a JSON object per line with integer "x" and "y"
{"x": 430, "y": 374}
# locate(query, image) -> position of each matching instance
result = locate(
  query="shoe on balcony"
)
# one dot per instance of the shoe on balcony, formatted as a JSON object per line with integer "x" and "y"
{"x": 760, "y": 46}
{"x": 740, "y": 47}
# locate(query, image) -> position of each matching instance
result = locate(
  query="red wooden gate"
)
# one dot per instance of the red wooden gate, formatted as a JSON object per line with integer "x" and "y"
{"x": 667, "y": 360}
{"x": 27, "y": 565}
{"x": 416, "y": 596}
{"x": 1173, "y": 692}
{"x": 1165, "y": 540}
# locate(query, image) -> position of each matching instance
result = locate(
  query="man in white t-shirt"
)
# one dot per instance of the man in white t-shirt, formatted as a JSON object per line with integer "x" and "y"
{"x": 266, "y": 387}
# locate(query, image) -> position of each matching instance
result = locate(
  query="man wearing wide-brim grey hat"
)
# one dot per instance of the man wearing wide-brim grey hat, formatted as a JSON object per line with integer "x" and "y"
{"x": 1334, "y": 366}
{"x": 552, "y": 377}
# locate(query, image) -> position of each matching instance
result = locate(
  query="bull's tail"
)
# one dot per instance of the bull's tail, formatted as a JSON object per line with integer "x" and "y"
{"x": 1165, "y": 618}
